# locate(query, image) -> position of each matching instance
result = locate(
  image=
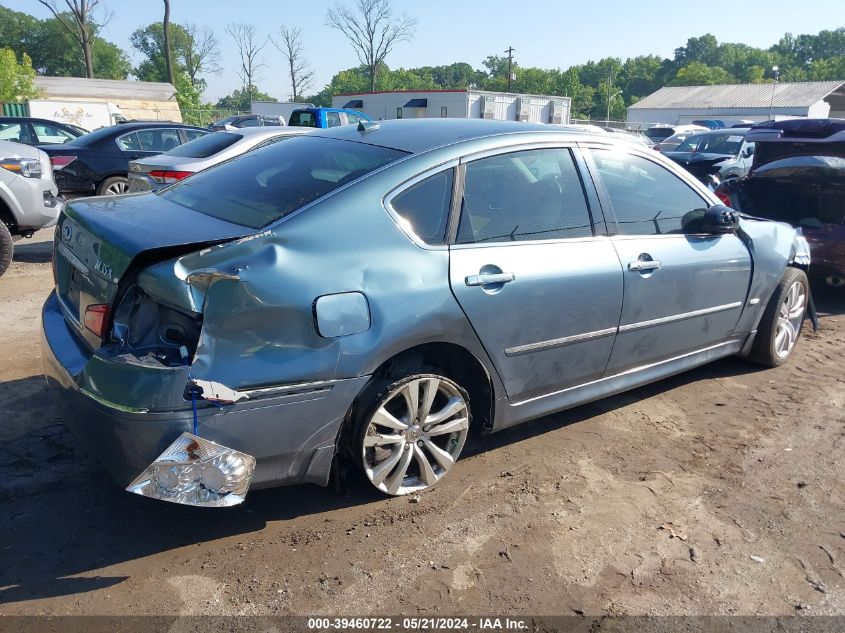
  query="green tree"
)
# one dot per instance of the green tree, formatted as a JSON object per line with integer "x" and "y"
{"x": 16, "y": 79}
{"x": 55, "y": 53}
{"x": 16, "y": 30}
{"x": 700, "y": 74}
{"x": 240, "y": 100}
{"x": 149, "y": 42}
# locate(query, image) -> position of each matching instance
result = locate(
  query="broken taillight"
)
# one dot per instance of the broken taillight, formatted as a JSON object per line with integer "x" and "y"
{"x": 97, "y": 318}
{"x": 60, "y": 162}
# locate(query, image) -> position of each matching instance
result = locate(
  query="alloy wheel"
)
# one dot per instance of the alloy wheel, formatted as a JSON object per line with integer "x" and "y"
{"x": 116, "y": 188}
{"x": 415, "y": 435}
{"x": 790, "y": 317}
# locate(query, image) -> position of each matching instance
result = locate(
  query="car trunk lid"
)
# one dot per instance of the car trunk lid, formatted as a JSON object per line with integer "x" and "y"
{"x": 99, "y": 240}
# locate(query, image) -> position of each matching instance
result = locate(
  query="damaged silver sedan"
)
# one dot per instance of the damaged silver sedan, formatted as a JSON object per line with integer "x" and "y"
{"x": 377, "y": 294}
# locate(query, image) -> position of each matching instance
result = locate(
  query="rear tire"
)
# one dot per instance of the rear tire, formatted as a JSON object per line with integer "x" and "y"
{"x": 7, "y": 248}
{"x": 780, "y": 327}
{"x": 113, "y": 186}
{"x": 407, "y": 433}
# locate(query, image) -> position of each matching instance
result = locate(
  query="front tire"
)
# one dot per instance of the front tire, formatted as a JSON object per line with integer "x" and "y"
{"x": 411, "y": 432}
{"x": 7, "y": 248}
{"x": 782, "y": 321}
{"x": 114, "y": 186}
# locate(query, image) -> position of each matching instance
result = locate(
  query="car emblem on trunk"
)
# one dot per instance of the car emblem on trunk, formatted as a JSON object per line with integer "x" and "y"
{"x": 67, "y": 232}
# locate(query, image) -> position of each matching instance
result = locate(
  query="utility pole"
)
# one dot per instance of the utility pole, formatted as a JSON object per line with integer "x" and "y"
{"x": 510, "y": 53}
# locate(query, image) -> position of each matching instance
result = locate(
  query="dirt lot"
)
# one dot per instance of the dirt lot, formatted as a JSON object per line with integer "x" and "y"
{"x": 742, "y": 469}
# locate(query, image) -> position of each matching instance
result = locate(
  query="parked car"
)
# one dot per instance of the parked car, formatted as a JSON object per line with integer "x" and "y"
{"x": 155, "y": 172}
{"x": 325, "y": 117}
{"x": 710, "y": 124}
{"x": 31, "y": 131}
{"x": 98, "y": 162}
{"x": 798, "y": 176}
{"x": 660, "y": 133}
{"x": 720, "y": 153}
{"x": 28, "y": 199}
{"x": 246, "y": 120}
{"x": 673, "y": 142}
{"x": 374, "y": 296}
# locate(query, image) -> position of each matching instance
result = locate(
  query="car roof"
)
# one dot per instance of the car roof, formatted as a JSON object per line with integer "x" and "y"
{"x": 420, "y": 135}
{"x": 733, "y": 131}
{"x": 267, "y": 130}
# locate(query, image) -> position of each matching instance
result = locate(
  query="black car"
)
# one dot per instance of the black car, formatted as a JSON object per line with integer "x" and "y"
{"x": 98, "y": 162}
{"x": 32, "y": 131}
{"x": 246, "y": 120}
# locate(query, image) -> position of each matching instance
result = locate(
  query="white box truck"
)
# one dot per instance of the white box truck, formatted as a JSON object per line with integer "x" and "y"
{"x": 86, "y": 114}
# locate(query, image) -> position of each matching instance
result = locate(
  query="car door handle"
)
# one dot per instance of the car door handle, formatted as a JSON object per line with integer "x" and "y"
{"x": 489, "y": 278}
{"x": 642, "y": 265}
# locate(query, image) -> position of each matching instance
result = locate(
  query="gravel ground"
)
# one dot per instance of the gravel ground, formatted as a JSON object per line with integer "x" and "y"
{"x": 716, "y": 492}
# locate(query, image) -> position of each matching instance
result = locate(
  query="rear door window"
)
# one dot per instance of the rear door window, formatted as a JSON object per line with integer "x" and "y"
{"x": 194, "y": 134}
{"x": 526, "y": 195}
{"x": 158, "y": 139}
{"x": 47, "y": 133}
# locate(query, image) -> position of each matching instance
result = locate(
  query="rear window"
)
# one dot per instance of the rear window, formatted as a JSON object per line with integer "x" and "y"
{"x": 658, "y": 133}
{"x": 206, "y": 145}
{"x": 303, "y": 118}
{"x": 263, "y": 186}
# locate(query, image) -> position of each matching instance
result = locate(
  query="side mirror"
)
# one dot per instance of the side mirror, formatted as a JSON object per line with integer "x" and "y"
{"x": 719, "y": 220}
{"x": 748, "y": 152}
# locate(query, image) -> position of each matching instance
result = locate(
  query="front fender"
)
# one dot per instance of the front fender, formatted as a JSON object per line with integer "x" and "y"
{"x": 773, "y": 247}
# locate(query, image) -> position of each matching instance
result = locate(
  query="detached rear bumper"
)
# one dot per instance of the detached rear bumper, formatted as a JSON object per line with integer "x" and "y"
{"x": 290, "y": 430}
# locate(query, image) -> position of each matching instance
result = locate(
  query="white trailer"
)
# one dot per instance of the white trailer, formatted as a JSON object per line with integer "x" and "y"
{"x": 85, "y": 114}
{"x": 272, "y": 108}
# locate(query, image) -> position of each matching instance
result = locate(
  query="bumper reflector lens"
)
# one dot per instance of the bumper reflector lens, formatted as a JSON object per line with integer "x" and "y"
{"x": 197, "y": 472}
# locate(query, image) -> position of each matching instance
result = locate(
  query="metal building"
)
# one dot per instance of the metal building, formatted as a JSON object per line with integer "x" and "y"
{"x": 739, "y": 102}
{"x": 463, "y": 104}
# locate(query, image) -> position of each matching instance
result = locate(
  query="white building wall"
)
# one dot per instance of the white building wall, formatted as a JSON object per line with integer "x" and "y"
{"x": 458, "y": 104}
{"x": 384, "y": 105}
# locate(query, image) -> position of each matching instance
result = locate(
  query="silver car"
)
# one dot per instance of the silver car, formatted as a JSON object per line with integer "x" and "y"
{"x": 373, "y": 296}
{"x": 154, "y": 172}
{"x": 28, "y": 196}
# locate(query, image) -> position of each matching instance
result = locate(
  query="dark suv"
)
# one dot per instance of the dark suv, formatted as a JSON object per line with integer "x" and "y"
{"x": 798, "y": 176}
{"x": 98, "y": 163}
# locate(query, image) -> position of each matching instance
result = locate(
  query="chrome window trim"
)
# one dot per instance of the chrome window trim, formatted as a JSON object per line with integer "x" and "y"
{"x": 520, "y": 147}
{"x": 559, "y": 342}
{"x": 387, "y": 203}
{"x": 639, "y": 325}
{"x": 562, "y": 240}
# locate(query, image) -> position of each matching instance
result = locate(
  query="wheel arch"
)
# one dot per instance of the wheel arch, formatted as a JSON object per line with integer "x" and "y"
{"x": 7, "y": 216}
{"x": 456, "y": 362}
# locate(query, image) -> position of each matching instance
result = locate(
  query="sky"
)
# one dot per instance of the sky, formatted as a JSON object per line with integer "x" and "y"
{"x": 548, "y": 34}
